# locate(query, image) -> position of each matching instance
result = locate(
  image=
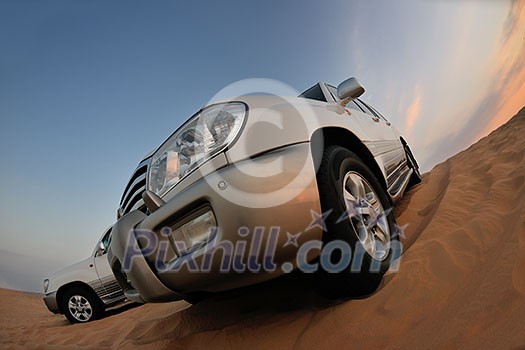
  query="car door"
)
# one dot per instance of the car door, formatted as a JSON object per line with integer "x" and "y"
{"x": 104, "y": 272}
{"x": 375, "y": 123}
{"x": 386, "y": 145}
{"x": 381, "y": 138}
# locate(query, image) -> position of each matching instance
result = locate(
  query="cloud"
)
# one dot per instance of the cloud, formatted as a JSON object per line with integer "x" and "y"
{"x": 412, "y": 112}
{"x": 504, "y": 97}
{"x": 513, "y": 23}
{"x": 450, "y": 144}
{"x": 510, "y": 76}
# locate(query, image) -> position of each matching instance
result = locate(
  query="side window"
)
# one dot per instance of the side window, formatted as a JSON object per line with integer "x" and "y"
{"x": 377, "y": 113}
{"x": 355, "y": 106}
{"x": 105, "y": 242}
{"x": 363, "y": 107}
{"x": 373, "y": 112}
{"x": 333, "y": 91}
{"x": 106, "y": 239}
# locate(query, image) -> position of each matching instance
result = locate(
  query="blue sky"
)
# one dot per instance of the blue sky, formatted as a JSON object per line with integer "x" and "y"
{"x": 87, "y": 88}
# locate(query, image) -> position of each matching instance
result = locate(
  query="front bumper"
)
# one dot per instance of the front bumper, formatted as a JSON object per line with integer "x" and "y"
{"x": 51, "y": 302}
{"x": 276, "y": 205}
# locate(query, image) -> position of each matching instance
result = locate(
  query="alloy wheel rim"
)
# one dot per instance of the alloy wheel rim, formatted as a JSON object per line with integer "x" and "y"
{"x": 367, "y": 215}
{"x": 80, "y": 308}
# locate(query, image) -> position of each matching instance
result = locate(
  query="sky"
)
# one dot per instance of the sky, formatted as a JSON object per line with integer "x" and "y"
{"x": 87, "y": 88}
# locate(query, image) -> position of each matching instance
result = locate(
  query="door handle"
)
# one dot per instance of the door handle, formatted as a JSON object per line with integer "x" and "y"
{"x": 376, "y": 119}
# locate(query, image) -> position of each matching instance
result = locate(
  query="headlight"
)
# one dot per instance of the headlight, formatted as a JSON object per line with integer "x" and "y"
{"x": 46, "y": 285}
{"x": 206, "y": 134}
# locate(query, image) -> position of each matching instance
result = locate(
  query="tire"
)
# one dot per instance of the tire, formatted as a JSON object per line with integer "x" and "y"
{"x": 80, "y": 305}
{"x": 415, "y": 178}
{"x": 370, "y": 256}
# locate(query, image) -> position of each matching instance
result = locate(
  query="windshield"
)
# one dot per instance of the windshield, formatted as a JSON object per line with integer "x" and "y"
{"x": 314, "y": 93}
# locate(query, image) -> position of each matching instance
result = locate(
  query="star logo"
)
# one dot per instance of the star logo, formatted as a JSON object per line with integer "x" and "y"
{"x": 292, "y": 239}
{"x": 318, "y": 220}
{"x": 374, "y": 217}
{"x": 349, "y": 213}
{"x": 400, "y": 230}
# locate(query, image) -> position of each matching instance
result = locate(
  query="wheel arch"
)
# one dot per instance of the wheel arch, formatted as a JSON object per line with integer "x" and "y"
{"x": 70, "y": 285}
{"x": 329, "y": 136}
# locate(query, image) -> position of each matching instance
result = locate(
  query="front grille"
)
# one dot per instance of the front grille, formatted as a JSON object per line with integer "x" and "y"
{"x": 132, "y": 196}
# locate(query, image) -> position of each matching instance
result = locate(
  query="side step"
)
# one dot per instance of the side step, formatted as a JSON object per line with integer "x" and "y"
{"x": 399, "y": 186}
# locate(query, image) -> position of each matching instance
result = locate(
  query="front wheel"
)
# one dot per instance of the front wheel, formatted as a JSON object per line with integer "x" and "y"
{"x": 360, "y": 238}
{"x": 80, "y": 306}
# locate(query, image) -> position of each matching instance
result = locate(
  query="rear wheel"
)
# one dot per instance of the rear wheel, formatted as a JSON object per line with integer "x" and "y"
{"x": 360, "y": 228}
{"x": 80, "y": 305}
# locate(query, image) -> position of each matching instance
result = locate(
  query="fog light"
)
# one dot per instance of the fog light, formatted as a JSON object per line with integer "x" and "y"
{"x": 197, "y": 231}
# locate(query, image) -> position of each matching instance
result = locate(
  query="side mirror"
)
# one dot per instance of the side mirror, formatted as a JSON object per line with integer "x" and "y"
{"x": 349, "y": 89}
{"x": 101, "y": 248}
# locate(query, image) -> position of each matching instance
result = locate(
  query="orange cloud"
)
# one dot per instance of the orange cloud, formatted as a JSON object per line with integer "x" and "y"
{"x": 412, "y": 112}
{"x": 510, "y": 68}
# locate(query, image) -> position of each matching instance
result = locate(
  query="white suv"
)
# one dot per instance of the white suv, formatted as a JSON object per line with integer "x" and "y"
{"x": 258, "y": 185}
{"x": 85, "y": 289}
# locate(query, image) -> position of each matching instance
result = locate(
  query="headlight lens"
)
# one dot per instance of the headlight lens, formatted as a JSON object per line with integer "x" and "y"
{"x": 205, "y": 135}
{"x": 46, "y": 285}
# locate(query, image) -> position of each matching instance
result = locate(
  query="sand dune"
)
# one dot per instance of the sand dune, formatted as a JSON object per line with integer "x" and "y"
{"x": 461, "y": 281}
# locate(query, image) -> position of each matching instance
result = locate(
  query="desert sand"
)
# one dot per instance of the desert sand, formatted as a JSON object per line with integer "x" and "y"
{"x": 461, "y": 281}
